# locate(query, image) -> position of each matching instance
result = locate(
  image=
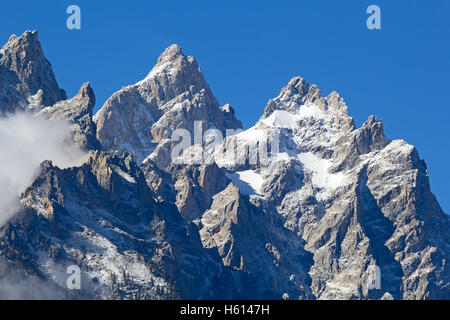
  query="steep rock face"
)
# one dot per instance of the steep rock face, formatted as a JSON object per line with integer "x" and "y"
{"x": 249, "y": 240}
{"x": 27, "y": 83}
{"x": 172, "y": 96}
{"x": 303, "y": 207}
{"x": 102, "y": 218}
{"x": 359, "y": 200}
{"x": 190, "y": 187}
{"x": 26, "y": 77}
{"x": 78, "y": 111}
{"x": 195, "y": 185}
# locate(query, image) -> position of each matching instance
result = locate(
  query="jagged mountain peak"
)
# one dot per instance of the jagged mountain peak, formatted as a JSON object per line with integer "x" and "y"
{"x": 302, "y": 91}
{"x": 171, "y": 53}
{"x": 298, "y": 85}
{"x": 175, "y": 73}
{"x": 172, "y": 96}
{"x": 298, "y": 93}
{"x": 29, "y": 40}
{"x": 27, "y": 75}
{"x": 78, "y": 111}
{"x": 86, "y": 92}
{"x": 311, "y": 222}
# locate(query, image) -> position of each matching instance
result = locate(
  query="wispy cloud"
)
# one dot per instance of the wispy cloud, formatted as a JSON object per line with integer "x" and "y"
{"x": 25, "y": 142}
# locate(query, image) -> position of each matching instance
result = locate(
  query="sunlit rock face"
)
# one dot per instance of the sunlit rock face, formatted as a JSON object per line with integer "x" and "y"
{"x": 78, "y": 112}
{"x": 26, "y": 76}
{"x": 173, "y": 96}
{"x": 311, "y": 215}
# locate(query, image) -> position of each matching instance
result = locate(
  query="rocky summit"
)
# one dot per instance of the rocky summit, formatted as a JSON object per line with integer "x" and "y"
{"x": 303, "y": 205}
{"x": 26, "y": 76}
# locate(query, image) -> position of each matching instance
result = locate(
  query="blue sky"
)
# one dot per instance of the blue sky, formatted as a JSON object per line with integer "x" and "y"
{"x": 248, "y": 51}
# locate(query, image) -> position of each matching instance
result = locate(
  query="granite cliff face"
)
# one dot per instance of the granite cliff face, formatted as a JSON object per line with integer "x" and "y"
{"x": 26, "y": 77}
{"x": 305, "y": 207}
{"x": 78, "y": 112}
{"x": 174, "y": 95}
{"x": 357, "y": 199}
{"x": 102, "y": 217}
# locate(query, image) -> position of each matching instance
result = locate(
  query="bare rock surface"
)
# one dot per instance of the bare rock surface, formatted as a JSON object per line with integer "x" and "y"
{"x": 307, "y": 207}
{"x": 26, "y": 76}
{"x": 173, "y": 96}
{"x": 78, "y": 112}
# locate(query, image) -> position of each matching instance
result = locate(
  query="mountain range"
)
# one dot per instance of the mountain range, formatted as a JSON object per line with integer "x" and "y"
{"x": 305, "y": 206}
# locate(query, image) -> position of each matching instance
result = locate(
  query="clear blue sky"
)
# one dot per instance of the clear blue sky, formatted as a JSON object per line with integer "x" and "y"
{"x": 248, "y": 51}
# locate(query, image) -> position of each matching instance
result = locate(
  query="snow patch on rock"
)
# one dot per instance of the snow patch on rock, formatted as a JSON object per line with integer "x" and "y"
{"x": 248, "y": 181}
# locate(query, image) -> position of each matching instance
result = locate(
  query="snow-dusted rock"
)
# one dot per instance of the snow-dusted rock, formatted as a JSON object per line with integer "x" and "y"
{"x": 78, "y": 111}
{"x": 355, "y": 197}
{"x": 172, "y": 96}
{"x": 102, "y": 217}
{"x": 26, "y": 77}
{"x": 305, "y": 205}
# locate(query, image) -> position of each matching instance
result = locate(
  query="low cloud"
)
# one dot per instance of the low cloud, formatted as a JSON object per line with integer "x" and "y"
{"x": 25, "y": 142}
{"x": 16, "y": 285}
